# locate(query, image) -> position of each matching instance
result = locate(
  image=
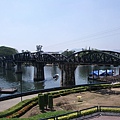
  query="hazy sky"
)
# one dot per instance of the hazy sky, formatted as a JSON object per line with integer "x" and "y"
{"x": 60, "y": 24}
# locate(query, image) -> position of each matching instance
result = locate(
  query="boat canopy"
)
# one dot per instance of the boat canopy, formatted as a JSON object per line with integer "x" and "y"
{"x": 102, "y": 72}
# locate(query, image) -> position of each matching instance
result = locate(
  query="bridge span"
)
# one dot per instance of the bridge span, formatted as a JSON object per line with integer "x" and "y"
{"x": 67, "y": 64}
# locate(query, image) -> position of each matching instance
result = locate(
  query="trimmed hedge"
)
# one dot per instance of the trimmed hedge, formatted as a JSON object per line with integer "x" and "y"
{"x": 77, "y": 114}
{"x": 68, "y": 116}
{"x": 50, "y": 101}
{"x": 22, "y": 111}
{"x": 89, "y": 111}
{"x": 62, "y": 116}
{"x": 41, "y": 102}
{"x": 18, "y": 107}
{"x": 110, "y": 109}
{"x": 45, "y": 99}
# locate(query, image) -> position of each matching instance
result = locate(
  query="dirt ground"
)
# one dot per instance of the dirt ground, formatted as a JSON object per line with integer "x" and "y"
{"x": 88, "y": 99}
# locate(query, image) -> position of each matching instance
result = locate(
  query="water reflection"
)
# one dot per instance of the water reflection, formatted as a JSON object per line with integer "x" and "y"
{"x": 50, "y": 71}
{"x": 81, "y": 74}
{"x": 9, "y": 79}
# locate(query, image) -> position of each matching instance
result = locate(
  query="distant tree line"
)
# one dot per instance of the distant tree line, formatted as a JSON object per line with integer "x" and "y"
{"x": 5, "y": 51}
{"x": 68, "y": 52}
{"x": 83, "y": 49}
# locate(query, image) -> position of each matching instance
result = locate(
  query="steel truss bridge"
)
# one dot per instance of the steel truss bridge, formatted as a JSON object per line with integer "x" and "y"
{"x": 66, "y": 64}
{"x": 87, "y": 57}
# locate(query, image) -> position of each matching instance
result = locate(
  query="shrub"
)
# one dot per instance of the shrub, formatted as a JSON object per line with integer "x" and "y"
{"x": 72, "y": 115}
{"x": 61, "y": 91}
{"x": 56, "y": 95}
{"x": 46, "y": 100}
{"x": 88, "y": 112}
{"x": 63, "y": 118}
{"x": 17, "y": 107}
{"x": 54, "y": 92}
{"x": 41, "y": 102}
{"x": 50, "y": 101}
{"x": 107, "y": 109}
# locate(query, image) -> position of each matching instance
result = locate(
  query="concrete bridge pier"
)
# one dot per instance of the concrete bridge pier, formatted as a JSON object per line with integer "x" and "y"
{"x": 39, "y": 72}
{"x": 119, "y": 70}
{"x": 19, "y": 67}
{"x": 68, "y": 74}
{"x": 2, "y": 64}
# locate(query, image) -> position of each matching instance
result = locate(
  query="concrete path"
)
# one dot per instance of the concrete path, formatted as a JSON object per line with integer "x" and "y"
{"x": 106, "y": 118}
{"x": 11, "y": 102}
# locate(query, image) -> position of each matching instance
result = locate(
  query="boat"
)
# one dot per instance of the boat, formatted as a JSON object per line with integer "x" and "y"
{"x": 98, "y": 73}
{"x": 8, "y": 90}
{"x": 101, "y": 75}
{"x": 56, "y": 76}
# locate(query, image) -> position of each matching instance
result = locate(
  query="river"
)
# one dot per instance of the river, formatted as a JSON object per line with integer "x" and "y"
{"x": 9, "y": 79}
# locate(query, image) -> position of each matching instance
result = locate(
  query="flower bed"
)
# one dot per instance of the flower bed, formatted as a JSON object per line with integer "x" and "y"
{"x": 20, "y": 106}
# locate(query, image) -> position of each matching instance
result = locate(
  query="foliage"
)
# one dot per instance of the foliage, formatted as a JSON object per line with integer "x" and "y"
{"x": 67, "y": 115}
{"x": 68, "y": 53}
{"x": 110, "y": 109}
{"x": 18, "y": 107}
{"x": 48, "y": 114}
{"x": 83, "y": 49}
{"x": 46, "y": 100}
{"x": 5, "y": 51}
{"x": 88, "y": 111}
{"x": 40, "y": 116}
{"x": 22, "y": 110}
{"x": 50, "y": 101}
{"x": 41, "y": 102}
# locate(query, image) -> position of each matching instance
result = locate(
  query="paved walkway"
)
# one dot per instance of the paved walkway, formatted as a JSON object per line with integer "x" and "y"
{"x": 9, "y": 103}
{"x": 106, "y": 118}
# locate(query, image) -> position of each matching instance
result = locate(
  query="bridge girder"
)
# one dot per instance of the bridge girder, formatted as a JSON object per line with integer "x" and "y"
{"x": 95, "y": 57}
{"x": 48, "y": 58}
{"x": 83, "y": 57}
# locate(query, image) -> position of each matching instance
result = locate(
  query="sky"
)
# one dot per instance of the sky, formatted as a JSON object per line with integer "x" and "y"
{"x": 59, "y": 25}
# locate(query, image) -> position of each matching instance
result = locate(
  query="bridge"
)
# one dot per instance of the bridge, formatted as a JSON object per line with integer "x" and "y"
{"x": 67, "y": 64}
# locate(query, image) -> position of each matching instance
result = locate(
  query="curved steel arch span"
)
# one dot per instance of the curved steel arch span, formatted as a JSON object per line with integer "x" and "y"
{"x": 95, "y": 57}
{"x": 86, "y": 57}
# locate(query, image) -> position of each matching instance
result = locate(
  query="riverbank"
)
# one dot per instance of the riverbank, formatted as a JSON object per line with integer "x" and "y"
{"x": 109, "y": 79}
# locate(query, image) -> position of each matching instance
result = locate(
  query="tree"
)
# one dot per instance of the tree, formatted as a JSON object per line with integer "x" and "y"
{"x": 5, "y": 51}
{"x": 83, "y": 49}
{"x": 67, "y": 52}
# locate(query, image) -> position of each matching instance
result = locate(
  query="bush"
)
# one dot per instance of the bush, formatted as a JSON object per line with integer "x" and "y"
{"x": 88, "y": 112}
{"x": 72, "y": 115}
{"x": 54, "y": 92}
{"x": 115, "y": 85}
{"x": 56, "y": 95}
{"x": 63, "y": 118}
{"x": 107, "y": 109}
{"x": 46, "y": 99}
{"x": 22, "y": 111}
{"x": 41, "y": 102}
{"x": 50, "y": 101}
{"x": 61, "y": 91}
{"x": 17, "y": 107}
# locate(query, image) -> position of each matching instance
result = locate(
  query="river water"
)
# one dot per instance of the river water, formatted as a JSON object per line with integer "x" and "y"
{"x": 9, "y": 79}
